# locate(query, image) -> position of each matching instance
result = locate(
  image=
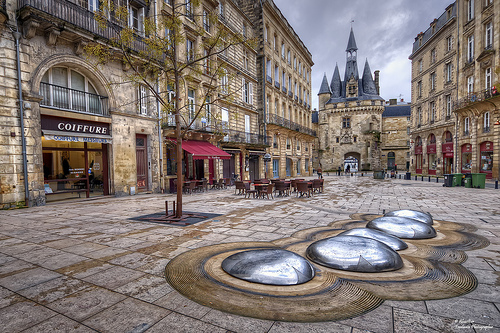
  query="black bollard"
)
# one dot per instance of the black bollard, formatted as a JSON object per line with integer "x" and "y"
{"x": 422, "y": 178}
{"x": 437, "y": 179}
{"x": 166, "y": 207}
{"x": 415, "y": 177}
{"x": 383, "y": 211}
{"x": 496, "y": 184}
{"x": 429, "y": 179}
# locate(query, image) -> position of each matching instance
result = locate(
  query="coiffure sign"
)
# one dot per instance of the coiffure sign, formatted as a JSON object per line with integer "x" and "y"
{"x": 74, "y": 125}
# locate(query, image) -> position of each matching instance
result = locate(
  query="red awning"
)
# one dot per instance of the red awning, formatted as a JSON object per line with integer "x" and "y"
{"x": 203, "y": 150}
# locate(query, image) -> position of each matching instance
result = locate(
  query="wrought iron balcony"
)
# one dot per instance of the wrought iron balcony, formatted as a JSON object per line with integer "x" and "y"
{"x": 475, "y": 97}
{"x": 75, "y": 16}
{"x": 73, "y": 100}
{"x": 243, "y": 137}
{"x": 280, "y": 121}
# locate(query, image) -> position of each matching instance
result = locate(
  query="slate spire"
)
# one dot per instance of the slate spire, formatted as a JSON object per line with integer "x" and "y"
{"x": 351, "y": 44}
{"x": 336, "y": 84}
{"x": 369, "y": 87}
{"x": 324, "y": 89}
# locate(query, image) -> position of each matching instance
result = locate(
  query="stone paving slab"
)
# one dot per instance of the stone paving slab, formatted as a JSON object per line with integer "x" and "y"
{"x": 84, "y": 266}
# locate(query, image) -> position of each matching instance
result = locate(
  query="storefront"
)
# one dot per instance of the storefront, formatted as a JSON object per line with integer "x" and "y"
{"x": 447, "y": 149}
{"x": 431, "y": 157}
{"x": 466, "y": 158}
{"x": 486, "y": 158}
{"x": 418, "y": 157}
{"x": 75, "y": 158}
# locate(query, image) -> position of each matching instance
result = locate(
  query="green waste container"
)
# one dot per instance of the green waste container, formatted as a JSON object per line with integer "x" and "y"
{"x": 457, "y": 179}
{"x": 478, "y": 180}
{"x": 468, "y": 180}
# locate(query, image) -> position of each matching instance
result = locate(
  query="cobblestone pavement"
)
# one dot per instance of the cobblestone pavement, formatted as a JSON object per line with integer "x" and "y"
{"x": 84, "y": 266}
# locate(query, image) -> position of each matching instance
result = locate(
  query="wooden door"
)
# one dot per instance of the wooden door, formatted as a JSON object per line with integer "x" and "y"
{"x": 142, "y": 162}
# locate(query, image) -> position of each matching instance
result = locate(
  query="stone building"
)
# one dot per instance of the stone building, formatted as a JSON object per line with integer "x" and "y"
{"x": 226, "y": 84}
{"x": 88, "y": 132}
{"x": 85, "y": 133}
{"x": 283, "y": 93}
{"x": 350, "y": 117}
{"x": 478, "y": 102}
{"x": 454, "y": 94}
{"x": 434, "y": 91}
{"x": 395, "y": 136}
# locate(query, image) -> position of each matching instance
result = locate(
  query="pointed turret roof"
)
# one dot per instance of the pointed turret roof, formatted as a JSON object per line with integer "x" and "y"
{"x": 336, "y": 84}
{"x": 324, "y": 89}
{"x": 351, "y": 44}
{"x": 368, "y": 83}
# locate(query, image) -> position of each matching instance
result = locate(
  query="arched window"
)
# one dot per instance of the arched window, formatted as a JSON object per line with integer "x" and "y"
{"x": 65, "y": 88}
{"x": 432, "y": 139}
{"x": 448, "y": 137}
{"x": 486, "y": 122}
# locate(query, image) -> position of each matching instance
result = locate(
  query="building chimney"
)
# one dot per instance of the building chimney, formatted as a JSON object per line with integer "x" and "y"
{"x": 377, "y": 81}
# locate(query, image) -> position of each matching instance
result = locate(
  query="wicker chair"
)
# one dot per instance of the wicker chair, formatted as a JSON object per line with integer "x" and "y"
{"x": 240, "y": 187}
{"x": 268, "y": 192}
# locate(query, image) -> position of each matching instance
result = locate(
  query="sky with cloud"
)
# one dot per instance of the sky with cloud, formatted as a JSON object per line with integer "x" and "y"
{"x": 384, "y": 30}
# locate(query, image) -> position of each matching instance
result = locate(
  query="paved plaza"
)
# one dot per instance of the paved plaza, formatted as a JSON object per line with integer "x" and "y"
{"x": 86, "y": 266}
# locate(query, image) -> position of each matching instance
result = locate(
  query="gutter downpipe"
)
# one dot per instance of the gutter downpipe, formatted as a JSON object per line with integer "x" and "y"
{"x": 263, "y": 78}
{"x": 17, "y": 36}
{"x": 456, "y": 157}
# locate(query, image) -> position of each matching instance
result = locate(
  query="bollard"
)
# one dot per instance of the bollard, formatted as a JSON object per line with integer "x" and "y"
{"x": 173, "y": 208}
{"x": 496, "y": 184}
{"x": 422, "y": 178}
{"x": 437, "y": 179}
{"x": 429, "y": 179}
{"x": 166, "y": 207}
{"x": 361, "y": 174}
{"x": 383, "y": 211}
{"x": 415, "y": 177}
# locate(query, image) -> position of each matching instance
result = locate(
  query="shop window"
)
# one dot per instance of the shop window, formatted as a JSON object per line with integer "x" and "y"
{"x": 486, "y": 161}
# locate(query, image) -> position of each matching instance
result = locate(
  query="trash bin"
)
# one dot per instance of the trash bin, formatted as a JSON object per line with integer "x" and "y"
{"x": 448, "y": 180}
{"x": 457, "y": 179}
{"x": 478, "y": 180}
{"x": 468, "y": 180}
{"x": 408, "y": 176}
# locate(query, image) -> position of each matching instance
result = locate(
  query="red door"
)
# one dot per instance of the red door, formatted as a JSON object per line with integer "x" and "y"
{"x": 142, "y": 162}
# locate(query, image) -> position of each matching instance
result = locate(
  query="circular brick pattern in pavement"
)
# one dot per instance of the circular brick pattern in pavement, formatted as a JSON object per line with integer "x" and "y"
{"x": 431, "y": 270}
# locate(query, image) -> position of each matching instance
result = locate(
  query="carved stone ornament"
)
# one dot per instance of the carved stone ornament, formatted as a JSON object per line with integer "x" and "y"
{"x": 29, "y": 28}
{"x": 52, "y": 34}
{"x": 79, "y": 46}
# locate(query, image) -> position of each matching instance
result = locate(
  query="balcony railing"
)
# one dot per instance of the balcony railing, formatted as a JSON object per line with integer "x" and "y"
{"x": 73, "y": 100}
{"x": 277, "y": 84}
{"x": 78, "y": 17}
{"x": 269, "y": 79}
{"x": 475, "y": 97}
{"x": 243, "y": 137}
{"x": 280, "y": 121}
{"x": 486, "y": 129}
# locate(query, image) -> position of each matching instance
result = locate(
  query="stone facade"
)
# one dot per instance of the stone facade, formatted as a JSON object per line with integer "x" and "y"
{"x": 395, "y": 136}
{"x": 284, "y": 92}
{"x": 434, "y": 91}
{"x": 460, "y": 136}
{"x": 350, "y": 118}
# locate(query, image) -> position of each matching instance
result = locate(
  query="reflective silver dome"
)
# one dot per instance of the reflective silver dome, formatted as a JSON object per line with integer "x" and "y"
{"x": 402, "y": 227}
{"x": 269, "y": 266}
{"x": 412, "y": 214}
{"x": 393, "y": 242}
{"x": 354, "y": 253}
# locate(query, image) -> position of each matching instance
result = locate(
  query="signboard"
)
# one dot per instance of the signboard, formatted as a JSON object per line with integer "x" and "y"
{"x": 74, "y": 125}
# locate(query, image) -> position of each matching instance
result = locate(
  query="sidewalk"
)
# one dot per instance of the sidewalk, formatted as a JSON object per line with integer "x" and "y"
{"x": 85, "y": 266}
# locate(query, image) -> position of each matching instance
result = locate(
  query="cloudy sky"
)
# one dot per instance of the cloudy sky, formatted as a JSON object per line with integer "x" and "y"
{"x": 384, "y": 31}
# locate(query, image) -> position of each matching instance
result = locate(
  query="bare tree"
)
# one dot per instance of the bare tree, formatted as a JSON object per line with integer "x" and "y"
{"x": 162, "y": 56}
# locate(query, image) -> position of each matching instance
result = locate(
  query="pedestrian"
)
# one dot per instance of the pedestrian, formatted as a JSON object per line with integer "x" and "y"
{"x": 320, "y": 172}
{"x": 339, "y": 171}
{"x": 348, "y": 169}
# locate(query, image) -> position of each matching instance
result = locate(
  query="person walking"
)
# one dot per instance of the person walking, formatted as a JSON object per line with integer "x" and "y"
{"x": 348, "y": 169}
{"x": 320, "y": 172}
